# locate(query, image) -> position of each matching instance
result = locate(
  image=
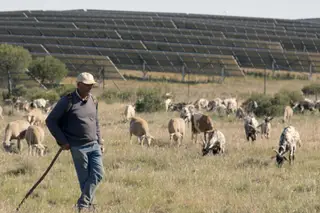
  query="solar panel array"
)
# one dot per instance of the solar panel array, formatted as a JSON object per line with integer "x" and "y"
{"x": 167, "y": 42}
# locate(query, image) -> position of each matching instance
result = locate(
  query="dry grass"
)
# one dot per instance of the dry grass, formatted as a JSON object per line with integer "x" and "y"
{"x": 163, "y": 179}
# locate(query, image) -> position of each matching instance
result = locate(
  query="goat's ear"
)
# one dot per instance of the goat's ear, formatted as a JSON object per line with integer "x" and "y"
{"x": 273, "y": 157}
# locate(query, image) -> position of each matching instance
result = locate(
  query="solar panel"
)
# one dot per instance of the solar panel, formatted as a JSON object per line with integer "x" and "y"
{"x": 98, "y": 33}
{"x": 123, "y": 58}
{"x": 287, "y": 42}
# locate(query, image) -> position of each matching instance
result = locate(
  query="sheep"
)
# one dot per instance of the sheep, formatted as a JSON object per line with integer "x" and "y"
{"x": 1, "y": 112}
{"x": 288, "y": 113}
{"x": 289, "y": 139}
{"x": 250, "y": 127}
{"x": 139, "y": 127}
{"x": 34, "y": 137}
{"x": 176, "y": 129}
{"x": 15, "y": 130}
{"x": 215, "y": 142}
{"x": 266, "y": 127}
{"x": 36, "y": 117}
{"x": 40, "y": 103}
{"x": 129, "y": 112}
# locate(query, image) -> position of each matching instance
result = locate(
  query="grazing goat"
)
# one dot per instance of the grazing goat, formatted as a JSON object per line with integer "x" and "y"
{"x": 129, "y": 112}
{"x": 231, "y": 105}
{"x": 266, "y": 127}
{"x": 287, "y": 115}
{"x": 201, "y": 104}
{"x": 199, "y": 122}
{"x": 289, "y": 139}
{"x": 212, "y": 105}
{"x": 34, "y": 137}
{"x": 139, "y": 127}
{"x": 176, "y": 129}
{"x": 305, "y": 104}
{"x": 250, "y": 127}
{"x": 215, "y": 142}
{"x": 15, "y": 130}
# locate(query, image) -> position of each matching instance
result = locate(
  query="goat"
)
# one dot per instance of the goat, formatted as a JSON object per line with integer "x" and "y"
{"x": 215, "y": 142}
{"x": 289, "y": 139}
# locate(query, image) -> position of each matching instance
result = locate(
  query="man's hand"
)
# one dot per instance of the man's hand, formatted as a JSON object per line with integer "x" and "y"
{"x": 102, "y": 148}
{"x": 65, "y": 146}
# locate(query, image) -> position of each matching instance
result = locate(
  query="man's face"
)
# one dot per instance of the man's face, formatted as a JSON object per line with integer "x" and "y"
{"x": 84, "y": 88}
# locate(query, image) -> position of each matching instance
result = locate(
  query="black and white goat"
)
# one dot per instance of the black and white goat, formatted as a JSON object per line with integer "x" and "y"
{"x": 289, "y": 139}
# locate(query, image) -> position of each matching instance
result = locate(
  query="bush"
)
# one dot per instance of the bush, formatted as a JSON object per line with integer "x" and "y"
{"x": 312, "y": 89}
{"x": 113, "y": 95}
{"x": 35, "y": 93}
{"x": 273, "y": 105}
{"x": 149, "y": 100}
{"x": 19, "y": 90}
{"x": 64, "y": 89}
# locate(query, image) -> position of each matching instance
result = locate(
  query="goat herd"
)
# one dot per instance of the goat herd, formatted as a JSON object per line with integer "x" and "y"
{"x": 214, "y": 140}
{"x": 29, "y": 127}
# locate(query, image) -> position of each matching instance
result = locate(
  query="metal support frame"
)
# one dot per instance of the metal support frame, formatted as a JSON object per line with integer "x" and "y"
{"x": 183, "y": 72}
{"x": 273, "y": 67}
{"x": 310, "y": 70}
{"x": 144, "y": 72}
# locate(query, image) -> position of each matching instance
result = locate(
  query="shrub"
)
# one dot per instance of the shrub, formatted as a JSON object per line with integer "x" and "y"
{"x": 312, "y": 89}
{"x": 64, "y": 89}
{"x": 35, "y": 93}
{"x": 113, "y": 95}
{"x": 149, "y": 100}
{"x": 273, "y": 105}
{"x": 19, "y": 90}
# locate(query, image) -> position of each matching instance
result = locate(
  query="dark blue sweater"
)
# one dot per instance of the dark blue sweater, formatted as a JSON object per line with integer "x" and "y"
{"x": 78, "y": 126}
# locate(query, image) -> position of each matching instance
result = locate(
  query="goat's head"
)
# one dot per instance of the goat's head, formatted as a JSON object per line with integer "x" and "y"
{"x": 280, "y": 158}
{"x": 176, "y": 136}
{"x": 210, "y": 143}
{"x": 187, "y": 111}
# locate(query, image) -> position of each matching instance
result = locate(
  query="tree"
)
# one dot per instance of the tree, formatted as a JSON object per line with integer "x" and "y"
{"x": 48, "y": 69}
{"x": 13, "y": 59}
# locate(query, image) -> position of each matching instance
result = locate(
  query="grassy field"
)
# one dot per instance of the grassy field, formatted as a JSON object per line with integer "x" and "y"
{"x": 162, "y": 179}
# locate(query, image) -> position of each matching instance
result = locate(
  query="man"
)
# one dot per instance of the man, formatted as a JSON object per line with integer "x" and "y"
{"x": 74, "y": 124}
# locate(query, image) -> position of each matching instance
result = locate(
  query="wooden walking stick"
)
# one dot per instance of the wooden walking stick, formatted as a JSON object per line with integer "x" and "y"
{"x": 41, "y": 178}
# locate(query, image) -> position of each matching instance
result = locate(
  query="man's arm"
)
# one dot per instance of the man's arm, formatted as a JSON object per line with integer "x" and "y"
{"x": 98, "y": 127}
{"x": 53, "y": 119}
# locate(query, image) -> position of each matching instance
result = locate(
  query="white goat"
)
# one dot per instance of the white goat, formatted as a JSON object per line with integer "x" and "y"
{"x": 129, "y": 112}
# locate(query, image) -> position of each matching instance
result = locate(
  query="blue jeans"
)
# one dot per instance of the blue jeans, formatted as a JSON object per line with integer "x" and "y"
{"x": 87, "y": 160}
